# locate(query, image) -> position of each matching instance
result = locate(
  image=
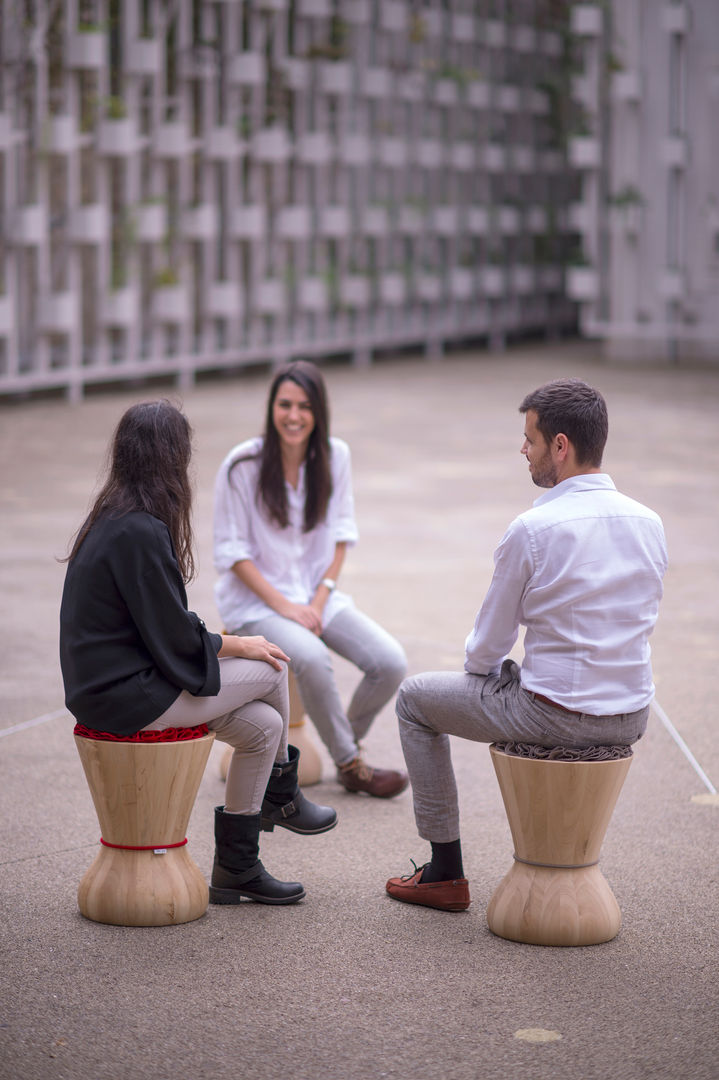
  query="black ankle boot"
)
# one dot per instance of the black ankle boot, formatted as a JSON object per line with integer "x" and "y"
{"x": 237, "y": 871}
{"x": 285, "y": 805}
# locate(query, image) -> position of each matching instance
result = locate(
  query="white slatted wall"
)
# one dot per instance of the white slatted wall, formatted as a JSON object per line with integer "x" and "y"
{"x": 202, "y": 184}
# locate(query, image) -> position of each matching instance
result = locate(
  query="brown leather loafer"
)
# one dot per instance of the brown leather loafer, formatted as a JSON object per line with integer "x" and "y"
{"x": 381, "y": 783}
{"x": 444, "y": 895}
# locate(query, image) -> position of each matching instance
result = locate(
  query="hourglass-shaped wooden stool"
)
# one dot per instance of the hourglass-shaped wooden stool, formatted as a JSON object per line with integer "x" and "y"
{"x": 310, "y": 766}
{"x": 558, "y": 812}
{"x": 143, "y": 793}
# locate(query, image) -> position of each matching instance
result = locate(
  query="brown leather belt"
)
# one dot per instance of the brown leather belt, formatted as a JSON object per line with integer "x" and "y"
{"x": 556, "y": 705}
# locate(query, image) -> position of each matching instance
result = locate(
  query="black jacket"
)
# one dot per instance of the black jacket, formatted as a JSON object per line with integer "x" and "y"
{"x": 128, "y": 644}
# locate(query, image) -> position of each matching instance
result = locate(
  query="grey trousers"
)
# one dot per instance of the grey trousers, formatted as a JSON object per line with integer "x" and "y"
{"x": 484, "y": 708}
{"x": 358, "y": 639}
{"x": 251, "y": 713}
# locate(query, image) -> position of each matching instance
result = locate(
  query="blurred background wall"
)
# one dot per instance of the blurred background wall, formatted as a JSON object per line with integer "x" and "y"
{"x": 645, "y": 140}
{"x": 196, "y": 185}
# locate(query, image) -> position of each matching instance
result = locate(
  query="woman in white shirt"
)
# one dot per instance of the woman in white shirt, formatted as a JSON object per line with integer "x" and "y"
{"x": 284, "y": 517}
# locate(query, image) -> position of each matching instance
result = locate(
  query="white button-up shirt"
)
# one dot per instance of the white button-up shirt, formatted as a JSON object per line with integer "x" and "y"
{"x": 582, "y": 571}
{"x": 290, "y": 559}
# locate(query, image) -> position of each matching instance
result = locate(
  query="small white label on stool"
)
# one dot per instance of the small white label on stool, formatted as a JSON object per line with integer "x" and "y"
{"x": 160, "y": 851}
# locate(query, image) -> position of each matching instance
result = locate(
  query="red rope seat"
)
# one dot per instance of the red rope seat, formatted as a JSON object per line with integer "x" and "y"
{"x": 171, "y": 734}
{"x": 168, "y": 735}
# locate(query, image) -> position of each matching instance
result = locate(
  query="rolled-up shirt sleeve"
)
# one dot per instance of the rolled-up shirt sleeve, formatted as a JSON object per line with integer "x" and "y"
{"x": 344, "y": 526}
{"x": 232, "y": 515}
{"x": 496, "y": 626}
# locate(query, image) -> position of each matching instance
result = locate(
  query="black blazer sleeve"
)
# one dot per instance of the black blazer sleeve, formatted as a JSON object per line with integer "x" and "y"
{"x": 148, "y": 577}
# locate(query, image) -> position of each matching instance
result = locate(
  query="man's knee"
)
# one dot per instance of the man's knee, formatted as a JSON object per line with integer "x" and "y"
{"x": 407, "y": 697}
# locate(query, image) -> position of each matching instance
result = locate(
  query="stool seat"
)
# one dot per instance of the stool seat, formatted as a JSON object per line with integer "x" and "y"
{"x": 558, "y": 813}
{"x": 143, "y": 793}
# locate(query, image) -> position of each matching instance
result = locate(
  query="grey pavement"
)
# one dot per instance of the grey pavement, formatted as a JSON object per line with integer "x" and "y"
{"x": 349, "y": 983}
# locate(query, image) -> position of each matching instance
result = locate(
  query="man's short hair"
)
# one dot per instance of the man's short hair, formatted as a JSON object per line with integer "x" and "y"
{"x": 576, "y": 410}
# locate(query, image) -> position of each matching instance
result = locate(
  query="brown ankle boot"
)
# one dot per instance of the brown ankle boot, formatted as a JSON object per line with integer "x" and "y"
{"x": 381, "y": 783}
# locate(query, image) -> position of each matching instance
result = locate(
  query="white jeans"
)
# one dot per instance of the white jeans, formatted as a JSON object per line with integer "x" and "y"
{"x": 484, "y": 708}
{"x": 358, "y": 639}
{"x": 250, "y": 713}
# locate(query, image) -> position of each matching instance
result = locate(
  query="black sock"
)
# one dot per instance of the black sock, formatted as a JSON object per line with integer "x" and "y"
{"x": 446, "y": 863}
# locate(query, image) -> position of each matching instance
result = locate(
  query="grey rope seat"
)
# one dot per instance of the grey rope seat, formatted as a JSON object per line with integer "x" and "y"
{"x": 563, "y": 753}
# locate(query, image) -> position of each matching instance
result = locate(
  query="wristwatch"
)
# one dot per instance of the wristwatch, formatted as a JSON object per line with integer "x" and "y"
{"x": 329, "y": 584}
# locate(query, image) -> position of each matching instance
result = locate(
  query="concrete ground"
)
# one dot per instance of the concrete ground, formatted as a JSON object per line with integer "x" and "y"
{"x": 349, "y": 983}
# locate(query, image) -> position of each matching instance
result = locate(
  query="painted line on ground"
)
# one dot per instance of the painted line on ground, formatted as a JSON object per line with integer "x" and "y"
{"x": 32, "y": 723}
{"x": 683, "y": 747}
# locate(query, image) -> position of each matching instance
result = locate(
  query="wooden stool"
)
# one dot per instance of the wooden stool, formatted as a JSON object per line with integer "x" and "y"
{"x": 310, "y": 767}
{"x": 558, "y": 812}
{"x": 143, "y": 794}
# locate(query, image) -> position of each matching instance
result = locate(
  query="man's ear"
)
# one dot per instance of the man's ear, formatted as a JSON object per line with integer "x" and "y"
{"x": 561, "y": 444}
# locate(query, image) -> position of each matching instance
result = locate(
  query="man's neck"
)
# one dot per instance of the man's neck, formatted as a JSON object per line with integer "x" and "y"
{"x": 569, "y": 470}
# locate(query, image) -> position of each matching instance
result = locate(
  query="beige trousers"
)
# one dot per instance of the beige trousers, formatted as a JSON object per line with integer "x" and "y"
{"x": 251, "y": 713}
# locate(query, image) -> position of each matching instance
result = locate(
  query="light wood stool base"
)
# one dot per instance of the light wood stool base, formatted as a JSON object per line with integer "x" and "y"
{"x": 143, "y": 795}
{"x": 558, "y": 812}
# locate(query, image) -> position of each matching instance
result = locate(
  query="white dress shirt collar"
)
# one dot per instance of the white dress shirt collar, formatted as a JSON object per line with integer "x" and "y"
{"x": 581, "y": 482}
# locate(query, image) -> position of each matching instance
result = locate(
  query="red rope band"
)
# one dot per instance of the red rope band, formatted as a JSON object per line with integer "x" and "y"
{"x": 168, "y": 735}
{"x": 144, "y": 847}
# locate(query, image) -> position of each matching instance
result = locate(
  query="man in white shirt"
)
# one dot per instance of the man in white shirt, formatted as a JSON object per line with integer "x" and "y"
{"x": 582, "y": 571}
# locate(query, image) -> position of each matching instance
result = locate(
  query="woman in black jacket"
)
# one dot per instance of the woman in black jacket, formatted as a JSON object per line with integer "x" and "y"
{"x": 134, "y": 658}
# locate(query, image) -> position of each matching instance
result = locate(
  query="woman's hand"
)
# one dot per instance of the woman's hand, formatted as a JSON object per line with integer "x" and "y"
{"x": 304, "y": 614}
{"x": 253, "y": 648}
{"x": 317, "y": 603}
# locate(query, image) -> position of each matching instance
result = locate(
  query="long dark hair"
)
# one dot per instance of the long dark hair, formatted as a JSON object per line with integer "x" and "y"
{"x": 318, "y": 475}
{"x": 149, "y": 459}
